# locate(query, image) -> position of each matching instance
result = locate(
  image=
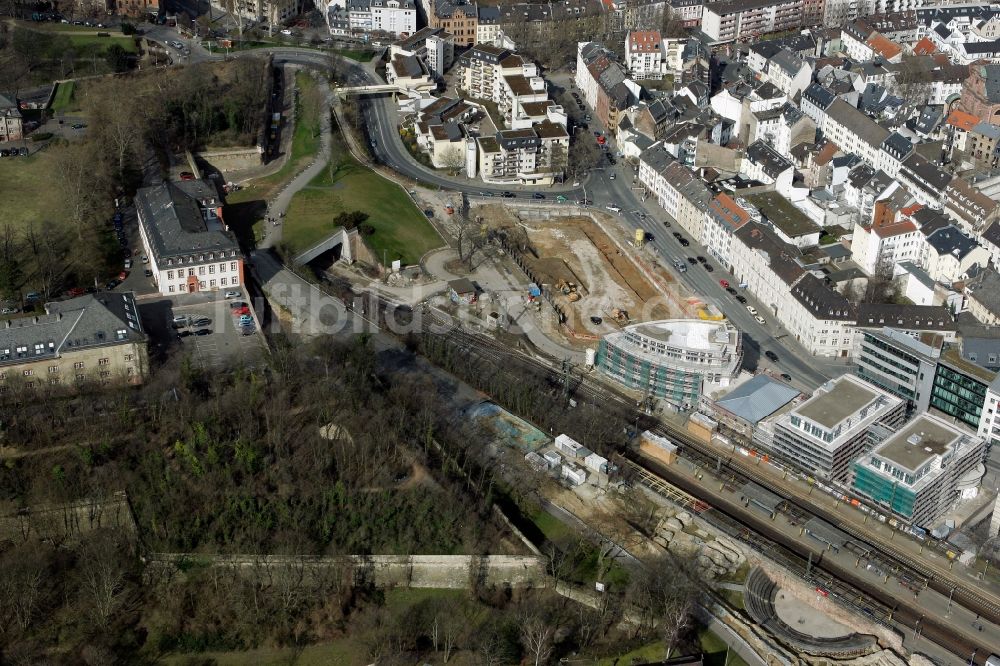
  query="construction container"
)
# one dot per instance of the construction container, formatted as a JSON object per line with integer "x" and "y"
{"x": 574, "y": 474}
{"x": 552, "y": 459}
{"x": 568, "y": 445}
{"x": 596, "y": 463}
{"x": 657, "y": 447}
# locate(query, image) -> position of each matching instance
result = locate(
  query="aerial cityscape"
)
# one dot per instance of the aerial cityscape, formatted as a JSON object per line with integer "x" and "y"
{"x": 617, "y": 332}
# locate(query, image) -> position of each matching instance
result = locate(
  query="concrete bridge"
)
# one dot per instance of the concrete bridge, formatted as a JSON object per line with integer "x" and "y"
{"x": 341, "y": 237}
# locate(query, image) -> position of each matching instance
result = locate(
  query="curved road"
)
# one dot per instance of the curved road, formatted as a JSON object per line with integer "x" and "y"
{"x": 603, "y": 186}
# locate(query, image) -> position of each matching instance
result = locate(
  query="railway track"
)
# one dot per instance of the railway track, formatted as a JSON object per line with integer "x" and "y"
{"x": 839, "y": 581}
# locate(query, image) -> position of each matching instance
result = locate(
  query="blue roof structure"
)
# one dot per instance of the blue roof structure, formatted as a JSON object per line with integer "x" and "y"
{"x": 757, "y": 399}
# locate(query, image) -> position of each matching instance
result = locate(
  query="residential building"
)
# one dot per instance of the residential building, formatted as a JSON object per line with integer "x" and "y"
{"x": 688, "y": 12}
{"x": 989, "y": 423}
{"x": 532, "y": 156}
{"x": 820, "y": 318}
{"x": 434, "y": 45}
{"x": 826, "y": 433}
{"x": 973, "y": 210}
{"x": 815, "y": 101}
{"x": 789, "y": 73}
{"x": 789, "y": 223}
{"x": 184, "y": 235}
{"x": 410, "y": 74}
{"x": 983, "y": 145}
{"x": 488, "y": 29}
{"x": 643, "y": 54}
{"x": 765, "y": 164}
{"x": 926, "y": 181}
{"x": 920, "y": 471}
{"x": 853, "y": 131}
{"x": 95, "y": 339}
{"x": 982, "y": 294}
{"x": 747, "y": 20}
{"x": 678, "y": 190}
{"x": 723, "y": 217}
{"x": 604, "y": 85}
{"x": 888, "y": 240}
{"x": 11, "y": 123}
{"x": 504, "y": 78}
{"x": 458, "y": 17}
{"x": 394, "y": 18}
{"x": 677, "y": 360}
{"x": 948, "y": 254}
{"x": 896, "y": 362}
{"x": 441, "y": 133}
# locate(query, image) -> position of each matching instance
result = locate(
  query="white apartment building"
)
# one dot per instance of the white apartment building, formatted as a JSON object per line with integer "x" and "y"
{"x": 677, "y": 189}
{"x": 433, "y": 45}
{"x": 643, "y": 54}
{"x": 826, "y": 433}
{"x": 497, "y": 75}
{"x": 534, "y": 156}
{"x": 190, "y": 249}
{"x": 397, "y": 18}
{"x": 723, "y": 218}
{"x": 854, "y": 132}
{"x": 877, "y": 248}
{"x": 747, "y": 20}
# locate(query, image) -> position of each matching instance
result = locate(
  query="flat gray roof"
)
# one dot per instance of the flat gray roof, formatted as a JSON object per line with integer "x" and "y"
{"x": 827, "y": 533}
{"x": 931, "y": 437}
{"x": 762, "y": 496}
{"x": 829, "y": 409}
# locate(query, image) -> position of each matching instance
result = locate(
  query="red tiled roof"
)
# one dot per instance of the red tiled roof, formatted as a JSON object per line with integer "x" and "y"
{"x": 924, "y": 47}
{"x": 644, "y": 41}
{"x": 884, "y": 46}
{"x": 962, "y": 120}
{"x": 826, "y": 153}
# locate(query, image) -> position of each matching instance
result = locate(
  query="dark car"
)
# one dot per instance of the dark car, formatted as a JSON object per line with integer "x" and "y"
{"x": 77, "y": 126}
{"x": 537, "y": 195}
{"x": 731, "y": 290}
{"x": 692, "y": 261}
{"x": 677, "y": 235}
{"x": 112, "y": 284}
{"x": 203, "y": 331}
{"x": 148, "y": 273}
{"x": 701, "y": 259}
{"x": 787, "y": 377}
{"x": 684, "y": 242}
{"x": 771, "y": 356}
{"x": 596, "y": 320}
{"x": 741, "y": 299}
{"x": 708, "y": 267}
{"x": 508, "y": 195}
{"x": 666, "y": 223}
{"x": 429, "y": 213}
{"x": 184, "y": 334}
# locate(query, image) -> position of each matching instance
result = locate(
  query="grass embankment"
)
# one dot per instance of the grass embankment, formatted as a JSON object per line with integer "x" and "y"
{"x": 713, "y": 647}
{"x": 63, "y": 100}
{"x": 400, "y": 230}
{"x": 29, "y": 190}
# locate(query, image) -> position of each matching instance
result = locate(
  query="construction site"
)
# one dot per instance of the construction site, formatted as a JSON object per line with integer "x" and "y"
{"x": 600, "y": 283}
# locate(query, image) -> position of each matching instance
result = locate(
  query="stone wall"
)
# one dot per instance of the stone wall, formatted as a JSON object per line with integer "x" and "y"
{"x": 231, "y": 159}
{"x": 432, "y": 571}
{"x": 62, "y": 522}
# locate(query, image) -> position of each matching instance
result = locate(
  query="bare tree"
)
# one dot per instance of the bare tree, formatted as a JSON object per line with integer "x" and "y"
{"x": 536, "y": 637}
{"x": 453, "y": 159}
{"x": 103, "y": 577}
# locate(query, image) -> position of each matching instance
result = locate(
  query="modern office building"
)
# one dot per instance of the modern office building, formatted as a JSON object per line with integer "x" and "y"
{"x": 678, "y": 360}
{"x": 826, "y": 433}
{"x": 960, "y": 388}
{"x": 898, "y": 363}
{"x": 920, "y": 471}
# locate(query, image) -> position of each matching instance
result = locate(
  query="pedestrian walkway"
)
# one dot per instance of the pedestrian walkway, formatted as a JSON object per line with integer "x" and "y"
{"x": 278, "y": 206}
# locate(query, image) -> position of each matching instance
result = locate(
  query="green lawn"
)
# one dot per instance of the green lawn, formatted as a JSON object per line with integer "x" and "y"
{"x": 553, "y": 528}
{"x": 360, "y": 55}
{"x": 86, "y": 43}
{"x": 29, "y": 193}
{"x": 63, "y": 99}
{"x": 401, "y": 230}
{"x": 713, "y": 647}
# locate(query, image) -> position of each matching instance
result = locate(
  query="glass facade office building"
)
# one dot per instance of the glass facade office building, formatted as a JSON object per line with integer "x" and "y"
{"x": 960, "y": 390}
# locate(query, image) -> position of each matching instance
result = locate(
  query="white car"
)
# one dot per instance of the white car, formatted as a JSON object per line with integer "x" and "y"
{"x": 232, "y": 294}
{"x": 760, "y": 320}
{"x": 128, "y": 264}
{"x": 286, "y": 31}
{"x": 613, "y": 176}
{"x": 8, "y": 311}
{"x": 145, "y": 259}
{"x": 752, "y": 310}
{"x": 614, "y": 209}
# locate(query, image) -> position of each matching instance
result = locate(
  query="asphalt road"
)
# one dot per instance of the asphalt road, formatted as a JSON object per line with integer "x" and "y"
{"x": 807, "y": 371}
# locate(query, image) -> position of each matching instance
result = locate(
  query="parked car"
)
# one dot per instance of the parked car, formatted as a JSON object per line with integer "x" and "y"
{"x": 187, "y": 175}
{"x": 112, "y": 284}
{"x": 537, "y": 195}
{"x": 596, "y": 320}
{"x": 771, "y": 356}
{"x": 144, "y": 259}
{"x": 614, "y": 208}
{"x": 201, "y": 321}
{"x": 8, "y": 311}
{"x": 245, "y": 319}
{"x": 203, "y": 331}
{"x": 128, "y": 263}
{"x": 231, "y": 294}
{"x": 760, "y": 320}
{"x": 148, "y": 273}
{"x": 77, "y": 126}
{"x": 701, "y": 259}
{"x": 613, "y": 176}
{"x": 751, "y": 309}
{"x": 508, "y": 195}
{"x": 122, "y": 276}
{"x": 724, "y": 284}
{"x": 684, "y": 242}
{"x": 741, "y": 299}
{"x": 692, "y": 261}
{"x": 709, "y": 268}
{"x": 182, "y": 320}
{"x": 787, "y": 377}
{"x": 76, "y": 291}
{"x": 241, "y": 311}
{"x": 184, "y": 334}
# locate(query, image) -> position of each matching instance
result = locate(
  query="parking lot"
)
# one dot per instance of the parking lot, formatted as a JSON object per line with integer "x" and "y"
{"x": 224, "y": 343}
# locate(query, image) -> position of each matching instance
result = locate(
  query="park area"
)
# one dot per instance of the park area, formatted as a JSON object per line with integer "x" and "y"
{"x": 30, "y": 195}
{"x": 53, "y": 51}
